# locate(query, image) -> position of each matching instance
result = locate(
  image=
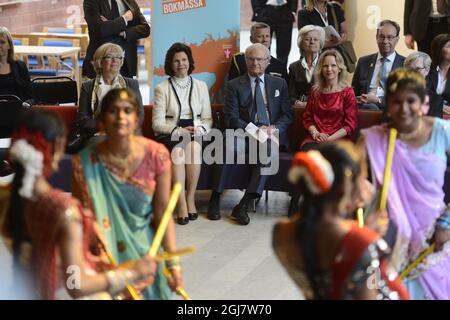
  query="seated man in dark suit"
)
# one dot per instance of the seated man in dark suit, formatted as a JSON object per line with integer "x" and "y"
{"x": 372, "y": 70}
{"x": 259, "y": 33}
{"x": 259, "y": 103}
{"x": 116, "y": 21}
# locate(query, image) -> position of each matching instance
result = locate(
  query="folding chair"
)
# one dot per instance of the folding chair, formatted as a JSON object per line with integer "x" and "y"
{"x": 54, "y": 90}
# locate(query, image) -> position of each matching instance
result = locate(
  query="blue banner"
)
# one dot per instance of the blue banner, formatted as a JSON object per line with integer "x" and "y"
{"x": 210, "y": 27}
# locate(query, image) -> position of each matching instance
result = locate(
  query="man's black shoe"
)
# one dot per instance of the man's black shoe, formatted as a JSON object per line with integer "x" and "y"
{"x": 240, "y": 213}
{"x": 213, "y": 209}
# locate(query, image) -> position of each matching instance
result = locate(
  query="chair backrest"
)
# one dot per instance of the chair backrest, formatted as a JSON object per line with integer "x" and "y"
{"x": 56, "y": 42}
{"x": 9, "y": 97}
{"x": 20, "y": 41}
{"x": 10, "y": 110}
{"x": 54, "y": 90}
{"x": 62, "y": 30}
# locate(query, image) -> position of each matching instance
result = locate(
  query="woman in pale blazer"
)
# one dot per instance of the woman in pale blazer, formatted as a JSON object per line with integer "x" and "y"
{"x": 182, "y": 109}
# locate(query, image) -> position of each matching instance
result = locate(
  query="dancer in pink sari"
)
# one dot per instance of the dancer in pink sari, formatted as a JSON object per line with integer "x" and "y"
{"x": 415, "y": 198}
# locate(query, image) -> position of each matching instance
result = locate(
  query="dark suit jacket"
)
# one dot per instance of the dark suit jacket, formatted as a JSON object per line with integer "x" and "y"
{"x": 85, "y": 117}
{"x": 238, "y": 67}
{"x": 297, "y": 82}
{"x": 22, "y": 78}
{"x": 364, "y": 72}
{"x": 239, "y": 104}
{"x": 415, "y": 18}
{"x": 101, "y": 32}
{"x": 265, "y": 13}
{"x": 432, "y": 83}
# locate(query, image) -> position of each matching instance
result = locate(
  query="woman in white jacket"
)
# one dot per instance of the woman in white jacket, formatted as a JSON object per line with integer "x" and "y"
{"x": 181, "y": 116}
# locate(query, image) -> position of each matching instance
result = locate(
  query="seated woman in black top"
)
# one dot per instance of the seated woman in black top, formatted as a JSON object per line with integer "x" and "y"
{"x": 14, "y": 77}
{"x": 438, "y": 77}
{"x": 301, "y": 73}
{"x": 323, "y": 13}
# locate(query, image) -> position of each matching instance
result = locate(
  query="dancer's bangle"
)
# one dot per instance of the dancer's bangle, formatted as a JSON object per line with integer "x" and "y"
{"x": 173, "y": 263}
{"x": 118, "y": 280}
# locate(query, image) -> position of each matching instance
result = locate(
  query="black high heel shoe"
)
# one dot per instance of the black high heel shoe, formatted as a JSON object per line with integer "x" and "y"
{"x": 183, "y": 220}
{"x": 193, "y": 216}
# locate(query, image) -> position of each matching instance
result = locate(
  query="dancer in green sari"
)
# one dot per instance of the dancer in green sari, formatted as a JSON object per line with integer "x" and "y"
{"x": 125, "y": 180}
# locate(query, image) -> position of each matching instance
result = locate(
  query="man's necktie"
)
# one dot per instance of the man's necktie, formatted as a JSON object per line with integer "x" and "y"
{"x": 114, "y": 9}
{"x": 442, "y": 6}
{"x": 260, "y": 105}
{"x": 383, "y": 72}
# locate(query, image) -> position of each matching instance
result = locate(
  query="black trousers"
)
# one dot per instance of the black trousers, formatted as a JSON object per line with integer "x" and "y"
{"x": 280, "y": 21}
{"x": 258, "y": 179}
{"x": 124, "y": 70}
{"x": 435, "y": 27}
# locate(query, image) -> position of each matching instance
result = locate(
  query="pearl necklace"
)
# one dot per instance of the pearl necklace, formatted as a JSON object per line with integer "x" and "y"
{"x": 180, "y": 86}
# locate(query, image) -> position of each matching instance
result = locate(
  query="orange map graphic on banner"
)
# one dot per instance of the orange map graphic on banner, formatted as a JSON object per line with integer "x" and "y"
{"x": 212, "y": 55}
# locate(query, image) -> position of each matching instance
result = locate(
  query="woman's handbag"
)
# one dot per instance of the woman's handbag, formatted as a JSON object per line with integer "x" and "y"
{"x": 345, "y": 48}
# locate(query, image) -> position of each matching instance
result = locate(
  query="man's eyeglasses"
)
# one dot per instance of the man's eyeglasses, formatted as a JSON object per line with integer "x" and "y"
{"x": 259, "y": 60}
{"x": 110, "y": 58}
{"x": 388, "y": 38}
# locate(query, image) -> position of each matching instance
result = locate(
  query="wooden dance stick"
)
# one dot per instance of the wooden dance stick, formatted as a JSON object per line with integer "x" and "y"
{"x": 418, "y": 260}
{"x": 167, "y": 215}
{"x": 174, "y": 196}
{"x": 360, "y": 217}
{"x": 179, "y": 290}
{"x": 387, "y": 168}
{"x": 169, "y": 255}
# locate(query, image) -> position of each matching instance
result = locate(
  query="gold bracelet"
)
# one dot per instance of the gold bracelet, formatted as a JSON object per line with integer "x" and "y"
{"x": 173, "y": 262}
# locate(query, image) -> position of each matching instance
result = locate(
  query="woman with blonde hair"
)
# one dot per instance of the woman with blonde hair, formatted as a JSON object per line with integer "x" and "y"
{"x": 331, "y": 111}
{"x": 107, "y": 61}
{"x": 14, "y": 76}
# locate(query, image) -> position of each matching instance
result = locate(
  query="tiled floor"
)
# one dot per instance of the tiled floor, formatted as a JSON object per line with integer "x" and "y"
{"x": 234, "y": 261}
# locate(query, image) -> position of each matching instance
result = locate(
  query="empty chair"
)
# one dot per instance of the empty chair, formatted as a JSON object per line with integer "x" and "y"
{"x": 54, "y": 90}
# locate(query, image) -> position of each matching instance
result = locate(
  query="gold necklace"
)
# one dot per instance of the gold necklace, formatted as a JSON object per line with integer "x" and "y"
{"x": 413, "y": 134}
{"x": 123, "y": 163}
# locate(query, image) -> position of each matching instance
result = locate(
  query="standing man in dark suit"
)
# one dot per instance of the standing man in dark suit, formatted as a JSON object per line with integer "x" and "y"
{"x": 280, "y": 16}
{"x": 254, "y": 99}
{"x": 371, "y": 71}
{"x": 116, "y": 21}
{"x": 423, "y": 20}
{"x": 259, "y": 33}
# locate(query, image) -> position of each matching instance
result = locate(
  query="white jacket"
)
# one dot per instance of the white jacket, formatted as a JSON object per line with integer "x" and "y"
{"x": 166, "y": 110}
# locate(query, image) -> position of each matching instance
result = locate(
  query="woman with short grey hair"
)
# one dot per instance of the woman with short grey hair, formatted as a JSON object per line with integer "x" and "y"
{"x": 418, "y": 61}
{"x": 310, "y": 41}
{"x": 107, "y": 61}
